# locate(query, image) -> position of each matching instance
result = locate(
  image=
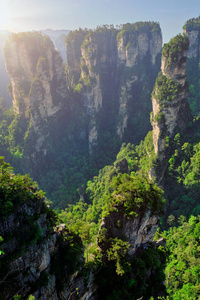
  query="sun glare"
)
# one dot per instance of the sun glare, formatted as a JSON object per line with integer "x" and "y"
{"x": 4, "y": 17}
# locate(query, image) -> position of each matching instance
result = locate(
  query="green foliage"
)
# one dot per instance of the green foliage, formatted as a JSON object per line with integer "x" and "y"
{"x": 31, "y": 297}
{"x": 182, "y": 178}
{"x": 67, "y": 259}
{"x": 193, "y": 76}
{"x": 35, "y": 43}
{"x": 124, "y": 187}
{"x": 136, "y": 194}
{"x": 174, "y": 48}
{"x": 192, "y": 24}
{"x": 1, "y": 240}
{"x": 17, "y": 297}
{"x": 132, "y": 30}
{"x": 116, "y": 252}
{"x": 166, "y": 90}
{"x": 20, "y": 196}
{"x": 15, "y": 189}
{"x": 182, "y": 270}
{"x": 134, "y": 282}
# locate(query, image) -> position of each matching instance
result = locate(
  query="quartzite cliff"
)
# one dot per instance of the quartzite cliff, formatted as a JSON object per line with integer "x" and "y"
{"x": 171, "y": 111}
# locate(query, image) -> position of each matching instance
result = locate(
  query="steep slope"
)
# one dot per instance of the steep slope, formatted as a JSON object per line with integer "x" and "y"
{"x": 171, "y": 112}
{"x": 110, "y": 76}
{"x": 4, "y": 78}
{"x": 38, "y": 91}
{"x": 176, "y": 134}
{"x": 110, "y": 68}
{"x": 192, "y": 30}
{"x": 32, "y": 56}
{"x": 126, "y": 205}
{"x": 36, "y": 258}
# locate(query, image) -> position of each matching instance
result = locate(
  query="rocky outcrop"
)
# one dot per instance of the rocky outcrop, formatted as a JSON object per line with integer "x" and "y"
{"x": 31, "y": 248}
{"x": 103, "y": 100}
{"x": 194, "y": 41}
{"x": 33, "y": 63}
{"x": 131, "y": 53}
{"x": 192, "y": 30}
{"x": 4, "y": 78}
{"x": 109, "y": 68}
{"x": 27, "y": 260}
{"x": 38, "y": 87}
{"x": 171, "y": 112}
{"x": 73, "y": 51}
{"x": 137, "y": 231}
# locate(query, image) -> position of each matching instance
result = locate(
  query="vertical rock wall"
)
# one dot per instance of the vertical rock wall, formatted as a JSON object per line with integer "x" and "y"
{"x": 116, "y": 70}
{"x": 171, "y": 112}
{"x": 38, "y": 85}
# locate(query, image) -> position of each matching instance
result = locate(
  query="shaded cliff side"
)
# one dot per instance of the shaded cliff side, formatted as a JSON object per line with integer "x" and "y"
{"x": 171, "y": 111}
{"x": 192, "y": 30}
{"x": 36, "y": 259}
{"x": 110, "y": 68}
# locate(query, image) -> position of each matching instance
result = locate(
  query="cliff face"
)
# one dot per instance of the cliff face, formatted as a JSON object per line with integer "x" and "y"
{"x": 194, "y": 41}
{"x": 171, "y": 112}
{"x": 137, "y": 231}
{"x": 146, "y": 47}
{"x": 4, "y": 78}
{"x": 32, "y": 61}
{"x": 25, "y": 268}
{"x": 104, "y": 98}
{"x": 110, "y": 68}
{"x": 33, "y": 261}
{"x": 192, "y": 30}
{"x": 127, "y": 230}
{"x": 38, "y": 87}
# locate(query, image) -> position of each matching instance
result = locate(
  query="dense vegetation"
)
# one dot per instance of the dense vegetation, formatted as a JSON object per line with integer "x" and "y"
{"x": 192, "y": 27}
{"x": 183, "y": 254}
{"x": 122, "y": 187}
{"x": 130, "y": 168}
{"x": 174, "y": 48}
{"x": 192, "y": 24}
{"x": 29, "y": 224}
{"x": 69, "y": 163}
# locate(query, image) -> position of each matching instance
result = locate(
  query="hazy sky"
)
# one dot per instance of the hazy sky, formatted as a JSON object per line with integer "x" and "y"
{"x": 25, "y": 15}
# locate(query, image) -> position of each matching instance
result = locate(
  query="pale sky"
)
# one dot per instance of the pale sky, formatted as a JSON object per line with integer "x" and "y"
{"x": 26, "y": 15}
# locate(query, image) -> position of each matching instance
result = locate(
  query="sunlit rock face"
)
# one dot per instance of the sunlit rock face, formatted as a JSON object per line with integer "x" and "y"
{"x": 109, "y": 76}
{"x": 32, "y": 58}
{"x": 38, "y": 86}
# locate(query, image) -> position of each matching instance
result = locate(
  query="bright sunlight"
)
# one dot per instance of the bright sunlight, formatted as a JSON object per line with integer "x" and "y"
{"x": 4, "y": 17}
